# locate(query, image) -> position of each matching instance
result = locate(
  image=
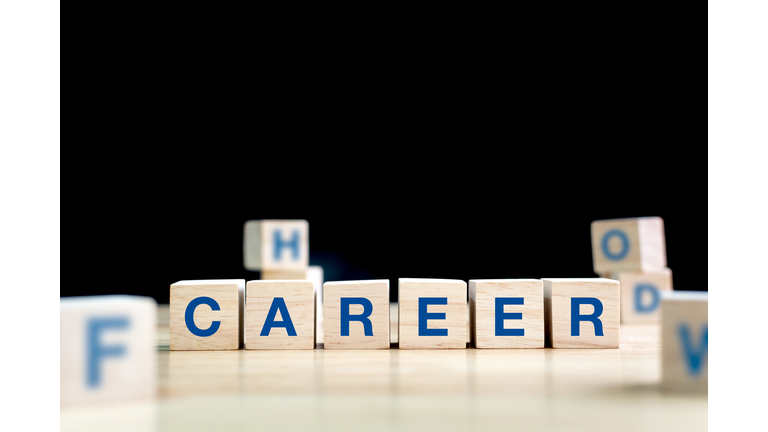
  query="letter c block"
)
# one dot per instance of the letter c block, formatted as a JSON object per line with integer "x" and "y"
{"x": 207, "y": 315}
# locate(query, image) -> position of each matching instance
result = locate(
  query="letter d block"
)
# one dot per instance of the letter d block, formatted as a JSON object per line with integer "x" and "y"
{"x": 641, "y": 295}
{"x": 356, "y": 314}
{"x": 433, "y": 313}
{"x": 280, "y": 314}
{"x": 628, "y": 244}
{"x": 506, "y": 313}
{"x": 207, "y": 315}
{"x": 582, "y": 313}
{"x": 108, "y": 348}
{"x": 684, "y": 340}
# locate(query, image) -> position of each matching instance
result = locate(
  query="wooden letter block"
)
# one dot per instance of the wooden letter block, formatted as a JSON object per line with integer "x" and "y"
{"x": 641, "y": 294}
{"x": 280, "y": 315}
{"x": 108, "y": 348}
{"x": 433, "y": 313}
{"x": 628, "y": 244}
{"x": 506, "y": 313}
{"x": 356, "y": 314}
{"x": 207, "y": 315}
{"x": 684, "y": 340}
{"x": 582, "y": 313}
{"x": 276, "y": 245}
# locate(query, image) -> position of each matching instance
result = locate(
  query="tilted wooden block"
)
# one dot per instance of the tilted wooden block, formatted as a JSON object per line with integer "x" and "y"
{"x": 641, "y": 294}
{"x": 108, "y": 348}
{"x": 280, "y": 314}
{"x": 432, "y": 313}
{"x": 506, "y": 313}
{"x": 684, "y": 340}
{"x": 207, "y": 315}
{"x": 635, "y": 244}
{"x": 356, "y": 314}
{"x": 582, "y": 313}
{"x": 276, "y": 245}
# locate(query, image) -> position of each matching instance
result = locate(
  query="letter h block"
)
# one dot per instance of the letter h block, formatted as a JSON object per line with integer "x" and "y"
{"x": 506, "y": 313}
{"x": 356, "y": 314}
{"x": 582, "y": 313}
{"x": 635, "y": 244}
{"x": 433, "y": 313}
{"x": 276, "y": 246}
{"x": 207, "y": 315}
{"x": 280, "y": 314}
{"x": 684, "y": 341}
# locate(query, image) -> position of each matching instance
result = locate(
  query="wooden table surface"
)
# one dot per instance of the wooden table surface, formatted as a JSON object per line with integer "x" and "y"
{"x": 528, "y": 390}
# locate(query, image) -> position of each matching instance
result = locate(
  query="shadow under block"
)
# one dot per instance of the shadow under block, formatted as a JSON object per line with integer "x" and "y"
{"x": 641, "y": 294}
{"x": 276, "y": 245}
{"x": 207, "y": 315}
{"x": 280, "y": 315}
{"x": 684, "y": 340}
{"x": 635, "y": 244}
{"x": 356, "y": 314}
{"x": 582, "y": 313}
{"x": 108, "y": 348}
{"x": 432, "y": 313}
{"x": 506, "y": 313}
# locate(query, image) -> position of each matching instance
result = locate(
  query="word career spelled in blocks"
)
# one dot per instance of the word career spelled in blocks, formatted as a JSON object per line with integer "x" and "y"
{"x": 506, "y": 313}
{"x": 207, "y": 314}
{"x": 684, "y": 340}
{"x": 433, "y": 313}
{"x": 582, "y": 313}
{"x": 280, "y": 314}
{"x": 356, "y": 314}
{"x": 641, "y": 294}
{"x": 108, "y": 348}
{"x": 628, "y": 244}
{"x": 276, "y": 245}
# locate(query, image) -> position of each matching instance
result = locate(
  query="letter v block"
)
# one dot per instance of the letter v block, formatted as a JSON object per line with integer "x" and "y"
{"x": 433, "y": 313}
{"x": 280, "y": 314}
{"x": 684, "y": 340}
{"x": 582, "y": 313}
{"x": 506, "y": 313}
{"x": 356, "y": 314}
{"x": 207, "y": 315}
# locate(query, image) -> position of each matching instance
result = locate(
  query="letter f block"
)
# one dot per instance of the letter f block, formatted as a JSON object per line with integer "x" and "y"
{"x": 356, "y": 314}
{"x": 582, "y": 313}
{"x": 207, "y": 315}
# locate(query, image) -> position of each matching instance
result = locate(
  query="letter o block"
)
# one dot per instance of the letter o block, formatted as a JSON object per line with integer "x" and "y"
{"x": 506, "y": 313}
{"x": 684, "y": 341}
{"x": 634, "y": 244}
{"x": 582, "y": 313}
{"x": 207, "y": 315}
{"x": 356, "y": 314}
{"x": 433, "y": 314}
{"x": 641, "y": 295}
{"x": 280, "y": 314}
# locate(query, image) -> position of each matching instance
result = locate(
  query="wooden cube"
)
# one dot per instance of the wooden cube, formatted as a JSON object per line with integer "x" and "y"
{"x": 635, "y": 244}
{"x": 582, "y": 313}
{"x": 108, "y": 348}
{"x": 506, "y": 313}
{"x": 276, "y": 245}
{"x": 207, "y": 315}
{"x": 432, "y": 313}
{"x": 641, "y": 294}
{"x": 356, "y": 314}
{"x": 684, "y": 340}
{"x": 280, "y": 314}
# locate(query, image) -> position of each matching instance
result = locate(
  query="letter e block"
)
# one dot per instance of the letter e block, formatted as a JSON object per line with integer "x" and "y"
{"x": 280, "y": 314}
{"x": 582, "y": 313}
{"x": 207, "y": 315}
{"x": 641, "y": 295}
{"x": 433, "y": 313}
{"x": 270, "y": 245}
{"x": 356, "y": 314}
{"x": 635, "y": 244}
{"x": 684, "y": 340}
{"x": 506, "y": 313}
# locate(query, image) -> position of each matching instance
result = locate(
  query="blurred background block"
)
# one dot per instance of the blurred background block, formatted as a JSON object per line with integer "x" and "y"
{"x": 628, "y": 244}
{"x": 684, "y": 341}
{"x": 276, "y": 245}
{"x": 641, "y": 294}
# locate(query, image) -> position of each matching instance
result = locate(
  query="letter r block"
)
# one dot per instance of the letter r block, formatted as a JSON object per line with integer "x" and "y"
{"x": 506, "y": 313}
{"x": 280, "y": 314}
{"x": 684, "y": 341}
{"x": 582, "y": 313}
{"x": 433, "y": 313}
{"x": 207, "y": 315}
{"x": 356, "y": 314}
{"x": 634, "y": 244}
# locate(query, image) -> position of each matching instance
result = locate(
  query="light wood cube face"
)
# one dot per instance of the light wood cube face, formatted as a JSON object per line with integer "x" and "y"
{"x": 641, "y": 295}
{"x": 684, "y": 341}
{"x": 273, "y": 245}
{"x": 635, "y": 244}
{"x": 356, "y": 314}
{"x": 506, "y": 313}
{"x": 207, "y": 315}
{"x": 108, "y": 348}
{"x": 582, "y": 313}
{"x": 433, "y": 313}
{"x": 280, "y": 315}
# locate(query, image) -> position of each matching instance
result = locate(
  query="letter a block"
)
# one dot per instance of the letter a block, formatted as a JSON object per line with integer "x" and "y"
{"x": 628, "y": 244}
{"x": 108, "y": 348}
{"x": 270, "y": 245}
{"x": 582, "y": 313}
{"x": 506, "y": 313}
{"x": 433, "y": 313}
{"x": 641, "y": 295}
{"x": 356, "y": 314}
{"x": 207, "y": 315}
{"x": 280, "y": 314}
{"x": 684, "y": 340}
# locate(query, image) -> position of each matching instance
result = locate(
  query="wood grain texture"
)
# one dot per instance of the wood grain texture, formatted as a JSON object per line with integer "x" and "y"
{"x": 643, "y": 240}
{"x": 228, "y": 293}
{"x": 558, "y": 293}
{"x": 409, "y": 292}
{"x": 299, "y": 298}
{"x": 641, "y": 294}
{"x": 685, "y": 363}
{"x": 377, "y": 292}
{"x": 482, "y": 312}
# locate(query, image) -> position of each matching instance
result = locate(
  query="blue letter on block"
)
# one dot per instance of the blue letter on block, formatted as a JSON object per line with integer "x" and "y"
{"x": 363, "y": 318}
{"x": 624, "y": 245}
{"x": 278, "y": 304}
{"x": 96, "y": 351}
{"x": 424, "y": 316}
{"x": 293, "y": 244}
{"x": 576, "y": 315}
{"x": 695, "y": 357}
{"x": 189, "y": 316}
{"x": 501, "y": 316}
{"x": 639, "y": 306}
